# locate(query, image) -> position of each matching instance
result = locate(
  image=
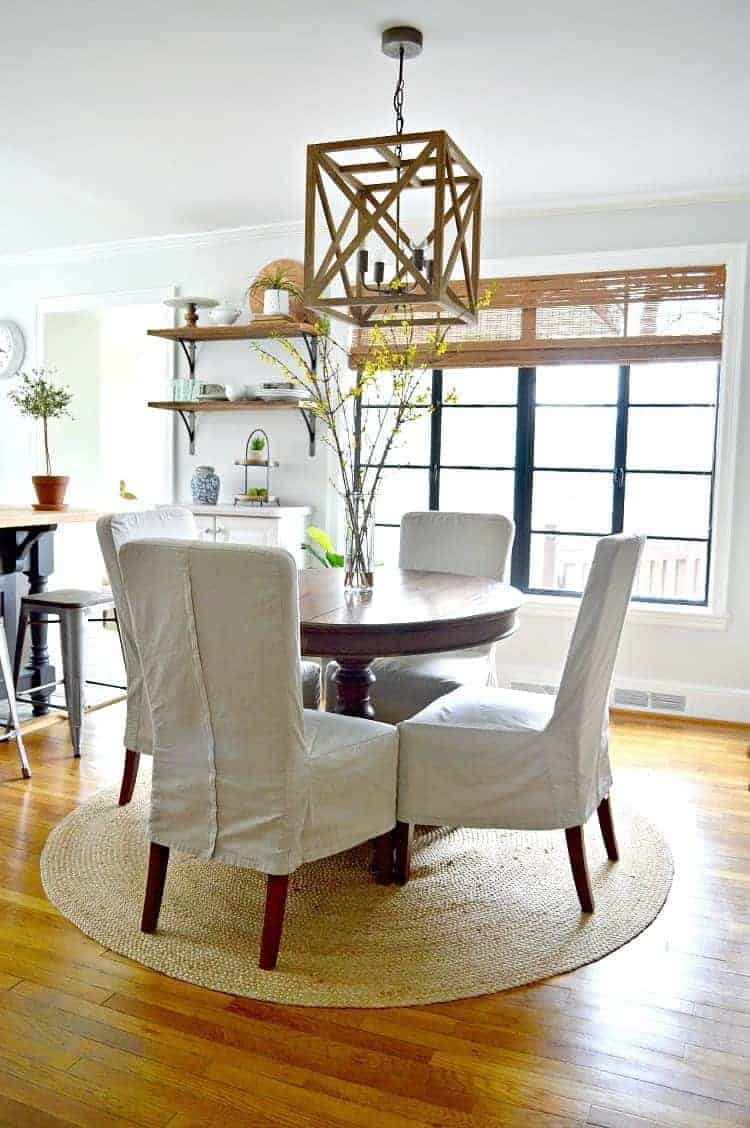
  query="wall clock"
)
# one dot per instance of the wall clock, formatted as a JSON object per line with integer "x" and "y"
{"x": 12, "y": 348}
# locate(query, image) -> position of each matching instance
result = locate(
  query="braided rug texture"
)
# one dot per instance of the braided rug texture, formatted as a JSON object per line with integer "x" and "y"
{"x": 484, "y": 910}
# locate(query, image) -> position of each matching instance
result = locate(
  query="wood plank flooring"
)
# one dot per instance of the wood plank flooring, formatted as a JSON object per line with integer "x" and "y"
{"x": 656, "y": 1034}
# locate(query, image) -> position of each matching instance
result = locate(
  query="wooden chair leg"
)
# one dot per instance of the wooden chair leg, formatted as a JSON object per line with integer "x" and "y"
{"x": 273, "y": 920}
{"x": 577, "y": 855}
{"x": 129, "y": 776}
{"x": 402, "y": 839}
{"x": 382, "y": 858}
{"x": 158, "y": 859}
{"x": 604, "y": 811}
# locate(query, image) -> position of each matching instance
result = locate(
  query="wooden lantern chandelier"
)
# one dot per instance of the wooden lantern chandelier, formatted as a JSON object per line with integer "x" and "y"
{"x": 354, "y": 198}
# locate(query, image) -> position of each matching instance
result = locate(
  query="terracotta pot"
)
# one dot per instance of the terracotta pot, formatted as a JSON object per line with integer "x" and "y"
{"x": 50, "y": 490}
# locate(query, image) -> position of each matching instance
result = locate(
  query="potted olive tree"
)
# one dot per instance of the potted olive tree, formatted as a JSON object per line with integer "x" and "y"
{"x": 40, "y": 397}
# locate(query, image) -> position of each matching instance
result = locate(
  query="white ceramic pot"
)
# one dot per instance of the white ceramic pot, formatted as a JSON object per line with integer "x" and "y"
{"x": 276, "y": 302}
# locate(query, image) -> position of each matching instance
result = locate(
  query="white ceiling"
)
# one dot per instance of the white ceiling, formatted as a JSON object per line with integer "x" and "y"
{"x": 122, "y": 120}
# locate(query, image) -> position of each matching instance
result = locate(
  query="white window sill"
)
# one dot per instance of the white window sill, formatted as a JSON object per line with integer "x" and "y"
{"x": 639, "y": 614}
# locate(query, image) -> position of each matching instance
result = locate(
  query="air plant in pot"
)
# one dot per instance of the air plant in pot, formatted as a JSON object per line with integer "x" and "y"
{"x": 277, "y": 289}
{"x": 39, "y": 396}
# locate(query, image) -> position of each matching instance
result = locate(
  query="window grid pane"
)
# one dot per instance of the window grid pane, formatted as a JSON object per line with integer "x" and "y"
{"x": 658, "y": 418}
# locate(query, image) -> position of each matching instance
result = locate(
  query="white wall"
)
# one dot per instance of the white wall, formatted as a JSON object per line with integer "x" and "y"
{"x": 662, "y": 657}
{"x": 715, "y": 663}
{"x": 223, "y": 267}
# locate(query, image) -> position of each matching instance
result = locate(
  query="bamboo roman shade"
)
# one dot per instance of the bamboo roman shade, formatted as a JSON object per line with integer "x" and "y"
{"x": 615, "y": 316}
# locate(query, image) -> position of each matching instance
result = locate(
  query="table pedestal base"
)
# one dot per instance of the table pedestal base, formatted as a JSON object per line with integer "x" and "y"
{"x": 353, "y": 680}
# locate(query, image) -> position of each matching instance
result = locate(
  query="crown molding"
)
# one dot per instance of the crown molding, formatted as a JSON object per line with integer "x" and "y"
{"x": 86, "y": 252}
{"x": 733, "y": 194}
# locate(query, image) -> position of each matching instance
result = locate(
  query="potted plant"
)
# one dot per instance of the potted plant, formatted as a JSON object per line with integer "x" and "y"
{"x": 40, "y": 397}
{"x": 277, "y": 289}
{"x": 322, "y": 548}
{"x": 256, "y": 454}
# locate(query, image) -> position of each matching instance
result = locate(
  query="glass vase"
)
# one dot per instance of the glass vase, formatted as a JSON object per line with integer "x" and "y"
{"x": 360, "y": 544}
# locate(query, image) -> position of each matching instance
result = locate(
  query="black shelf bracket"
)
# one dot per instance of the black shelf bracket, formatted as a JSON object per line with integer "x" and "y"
{"x": 188, "y": 347}
{"x": 311, "y": 343}
{"x": 188, "y": 418}
{"x": 310, "y": 423}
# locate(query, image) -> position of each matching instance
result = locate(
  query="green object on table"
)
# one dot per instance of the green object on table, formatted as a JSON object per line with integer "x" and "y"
{"x": 324, "y": 553}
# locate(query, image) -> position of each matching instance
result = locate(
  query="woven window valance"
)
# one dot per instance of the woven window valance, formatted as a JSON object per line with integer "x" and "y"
{"x": 617, "y": 316}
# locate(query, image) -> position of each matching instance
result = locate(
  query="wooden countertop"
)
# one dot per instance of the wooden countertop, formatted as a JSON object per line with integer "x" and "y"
{"x": 24, "y": 517}
{"x": 276, "y": 512}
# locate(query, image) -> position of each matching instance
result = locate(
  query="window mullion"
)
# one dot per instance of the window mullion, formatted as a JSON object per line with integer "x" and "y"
{"x": 621, "y": 449}
{"x": 436, "y": 423}
{"x": 524, "y": 476}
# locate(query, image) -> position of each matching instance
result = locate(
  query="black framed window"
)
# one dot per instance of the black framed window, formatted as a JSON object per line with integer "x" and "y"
{"x": 573, "y": 452}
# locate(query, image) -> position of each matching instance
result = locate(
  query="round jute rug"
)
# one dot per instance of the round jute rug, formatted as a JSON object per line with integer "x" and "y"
{"x": 484, "y": 910}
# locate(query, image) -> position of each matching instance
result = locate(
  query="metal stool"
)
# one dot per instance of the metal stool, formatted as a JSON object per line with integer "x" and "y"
{"x": 12, "y": 727}
{"x": 73, "y": 607}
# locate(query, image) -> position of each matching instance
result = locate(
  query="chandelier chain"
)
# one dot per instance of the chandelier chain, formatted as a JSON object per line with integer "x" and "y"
{"x": 398, "y": 97}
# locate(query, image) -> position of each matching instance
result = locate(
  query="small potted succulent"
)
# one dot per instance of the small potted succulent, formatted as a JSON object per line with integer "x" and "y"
{"x": 277, "y": 289}
{"x": 40, "y": 397}
{"x": 256, "y": 455}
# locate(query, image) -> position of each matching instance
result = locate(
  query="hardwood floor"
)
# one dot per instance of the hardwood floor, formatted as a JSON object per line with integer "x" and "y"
{"x": 657, "y": 1033}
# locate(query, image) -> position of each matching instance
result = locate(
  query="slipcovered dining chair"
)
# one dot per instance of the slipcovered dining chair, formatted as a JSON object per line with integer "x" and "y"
{"x": 487, "y": 757}
{"x": 241, "y": 773}
{"x": 464, "y": 544}
{"x": 114, "y": 530}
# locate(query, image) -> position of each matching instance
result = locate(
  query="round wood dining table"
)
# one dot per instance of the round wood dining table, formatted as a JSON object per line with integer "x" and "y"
{"x": 406, "y": 612}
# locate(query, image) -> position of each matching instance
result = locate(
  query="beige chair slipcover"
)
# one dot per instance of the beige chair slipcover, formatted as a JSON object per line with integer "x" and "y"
{"x": 465, "y": 544}
{"x": 116, "y": 529}
{"x": 488, "y": 757}
{"x": 242, "y": 774}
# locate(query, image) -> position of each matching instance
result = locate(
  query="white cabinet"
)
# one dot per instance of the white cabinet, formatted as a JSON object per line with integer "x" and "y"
{"x": 282, "y": 527}
{"x": 243, "y": 530}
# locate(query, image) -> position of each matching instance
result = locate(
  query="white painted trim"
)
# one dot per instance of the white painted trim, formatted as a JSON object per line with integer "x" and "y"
{"x": 639, "y": 614}
{"x": 66, "y": 303}
{"x": 732, "y": 194}
{"x": 85, "y": 252}
{"x": 717, "y": 703}
{"x": 148, "y": 244}
{"x": 699, "y": 254}
{"x": 734, "y": 256}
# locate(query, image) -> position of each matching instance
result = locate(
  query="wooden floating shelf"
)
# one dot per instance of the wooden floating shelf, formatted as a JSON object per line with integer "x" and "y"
{"x": 187, "y": 410}
{"x": 227, "y": 405}
{"x": 258, "y": 329}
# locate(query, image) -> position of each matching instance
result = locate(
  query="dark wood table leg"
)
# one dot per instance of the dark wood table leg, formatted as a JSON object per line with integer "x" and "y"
{"x": 39, "y": 670}
{"x": 353, "y": 680}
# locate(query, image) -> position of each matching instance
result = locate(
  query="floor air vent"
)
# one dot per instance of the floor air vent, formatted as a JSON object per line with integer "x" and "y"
{"x": 635, "y": 698}
{"x": 668, "y": 702}
{"x": 534, "y": 687}
{"x": 642, "y": 699}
